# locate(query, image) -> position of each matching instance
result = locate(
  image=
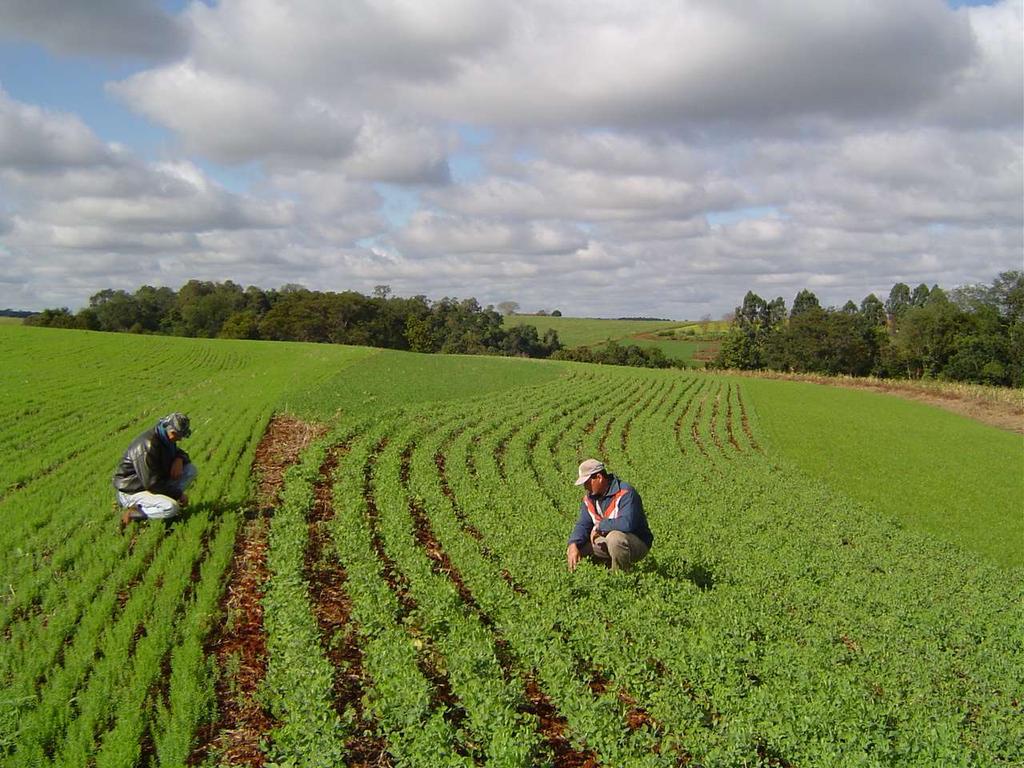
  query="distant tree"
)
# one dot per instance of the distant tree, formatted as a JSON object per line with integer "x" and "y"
{"x": 925, "y": 338}
{"x": 872, "y": 311}
{"x": 116, "y": 311}
{"x": 556, "y": 313}
{"x": 751, "y": 334}
{"x": 522, "y": 341}
{"x": 53, "y": 318}
{"x": 153, "y": 304}
{"x": 804, "y": 302}
{"x": 381, "y": 291}
{"x": 919, "y": 296}
{"x": 898, "y": 302}
{"x": 776, "y": 317}
{"x": 508, "y": 307}
{"x": 849, "y": 308}
{"x": 243, "y": 324}
{"x": 204, "y": 306}
{"x": 1008, "y": 294}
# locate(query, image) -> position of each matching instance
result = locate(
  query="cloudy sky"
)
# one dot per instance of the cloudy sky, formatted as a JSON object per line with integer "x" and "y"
{"x": 601, "y": 157}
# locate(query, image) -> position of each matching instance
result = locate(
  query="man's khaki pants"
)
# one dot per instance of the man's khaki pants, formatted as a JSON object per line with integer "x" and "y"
{"x": 616, "y": 550}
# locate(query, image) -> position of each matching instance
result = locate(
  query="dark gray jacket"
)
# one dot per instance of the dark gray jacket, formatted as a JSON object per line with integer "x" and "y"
{"x": 146, "y": 465}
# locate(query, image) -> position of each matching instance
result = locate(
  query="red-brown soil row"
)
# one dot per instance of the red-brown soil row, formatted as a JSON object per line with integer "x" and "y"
{"x": 746, "y": 421}
{"x": 239, "y": 644}
{"x": 332, "y": 608}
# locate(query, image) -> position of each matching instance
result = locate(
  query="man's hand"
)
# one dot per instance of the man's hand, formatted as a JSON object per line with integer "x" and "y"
{"x": 183, "y": 501}
{"x": 572, "y": 555}
{"x": 177, "y": 467}
{"x": 594, "y": 533}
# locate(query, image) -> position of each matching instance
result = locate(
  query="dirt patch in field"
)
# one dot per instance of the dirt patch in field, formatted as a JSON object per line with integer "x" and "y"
{"x": 239, "y": 645}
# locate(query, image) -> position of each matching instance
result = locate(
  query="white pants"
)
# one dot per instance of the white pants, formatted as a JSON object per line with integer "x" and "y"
{"x": 155, "y": 505}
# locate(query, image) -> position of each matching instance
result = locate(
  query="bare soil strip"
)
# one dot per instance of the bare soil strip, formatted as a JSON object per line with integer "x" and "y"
{"x": 239, "y": 645}
{"x": 333, "y": 609}
{"x": 694, "y": 431}
{"x": 730, "y": 420}
{"x": 745, "y": 421}
{"x": 714, "y": 421}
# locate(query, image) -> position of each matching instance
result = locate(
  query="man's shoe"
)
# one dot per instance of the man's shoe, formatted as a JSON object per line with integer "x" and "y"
{"x": 129, "y": 514}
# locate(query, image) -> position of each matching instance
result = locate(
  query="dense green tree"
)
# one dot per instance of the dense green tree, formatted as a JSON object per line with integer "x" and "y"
{"x": 243, "y": 324}
{"x": 919, "y": 296}
{"x": 152, "y": 304}
{"x": 115, "y": 311}
{"x": 53, "y": 318}
{"x": 805, "y": 301}
{"x": 1008, "y": 293}
{"x": 898, "y": 302}
{"x": 872, "y": 311}
{"x": 204, "y": 306}
{"x": 925, "y": 337}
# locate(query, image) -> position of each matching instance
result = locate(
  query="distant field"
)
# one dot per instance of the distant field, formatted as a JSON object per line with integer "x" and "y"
{"x": 580, "y": 331}
{"x": 679, "y": 343}
{"x": 803, "y": 603}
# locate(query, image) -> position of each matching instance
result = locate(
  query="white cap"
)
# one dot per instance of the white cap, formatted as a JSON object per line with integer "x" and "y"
{"x": 588, "y": 468}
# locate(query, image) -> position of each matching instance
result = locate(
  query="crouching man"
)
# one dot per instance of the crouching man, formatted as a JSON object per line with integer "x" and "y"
{"x": 612, "y": 528}
{"x": 154, "y": 472}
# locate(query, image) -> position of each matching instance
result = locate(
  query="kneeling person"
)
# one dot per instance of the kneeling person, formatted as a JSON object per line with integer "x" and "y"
{"x": 154, "y": 472}
{"x": 612, "y": 528}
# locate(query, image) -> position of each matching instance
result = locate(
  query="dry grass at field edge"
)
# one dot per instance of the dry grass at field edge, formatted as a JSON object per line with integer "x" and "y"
{"x": 998, "y": 407}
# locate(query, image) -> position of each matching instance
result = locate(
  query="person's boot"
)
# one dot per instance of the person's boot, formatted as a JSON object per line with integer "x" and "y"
{"x": 131, "y": 513}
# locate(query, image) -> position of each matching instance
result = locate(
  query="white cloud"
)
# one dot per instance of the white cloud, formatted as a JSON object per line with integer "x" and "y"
{"x": 677, "y": 152}
{"x": 235, "y": 119}
{"x": 33, "y": 139}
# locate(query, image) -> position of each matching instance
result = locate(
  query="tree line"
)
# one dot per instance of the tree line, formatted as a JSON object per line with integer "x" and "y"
{"x": 973, "y": 333}
{"x": 294, "y": 313}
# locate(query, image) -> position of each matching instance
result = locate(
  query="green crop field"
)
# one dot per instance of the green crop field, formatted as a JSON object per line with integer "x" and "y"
{"x": 585, "y": 331}
{"x": 927, "y": 468}
{"x": 676, "y": 339}
{"x": 414, "y": 603}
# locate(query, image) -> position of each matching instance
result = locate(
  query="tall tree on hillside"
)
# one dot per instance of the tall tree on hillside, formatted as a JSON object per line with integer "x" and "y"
{"x": 153, "y": 305}
{"x": 115, "y": 311}
{"x": 898, "y": 302}
{"x": 925, "y": 337}
{"x": 919, "y": 297}
{"x": 204, "y": 306}
{"x": 804, "y": 302}
{"x": 872, "y": 311}
{"x": 776, "y": 313}
{"x": 1008, "y": 291}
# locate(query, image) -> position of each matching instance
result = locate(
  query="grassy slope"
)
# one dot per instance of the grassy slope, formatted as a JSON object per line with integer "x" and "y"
{"x": 931, "y": 470}
{"x": 584, "y": 331}
{"x": 581, "y": 331}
